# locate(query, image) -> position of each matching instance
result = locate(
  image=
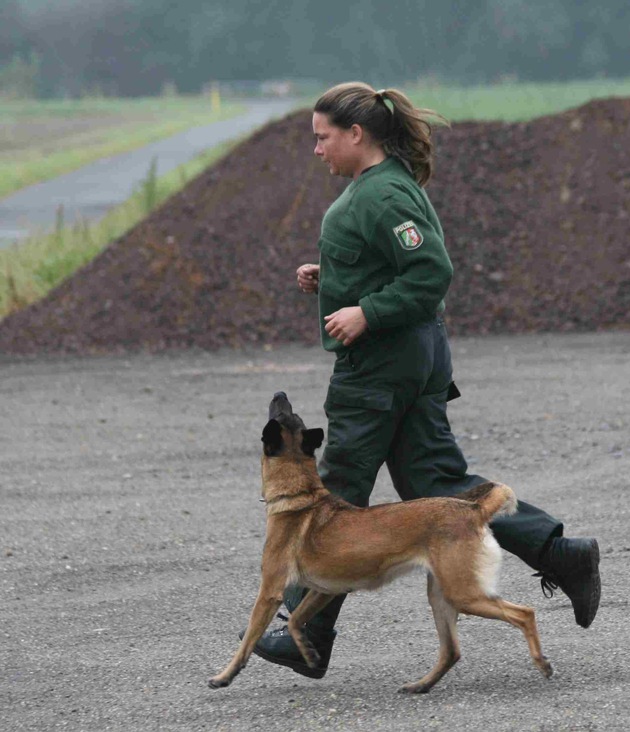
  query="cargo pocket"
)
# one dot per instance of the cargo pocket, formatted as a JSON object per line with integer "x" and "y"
{"x": 344, "y": 395}
{"x": 360, "y": 431}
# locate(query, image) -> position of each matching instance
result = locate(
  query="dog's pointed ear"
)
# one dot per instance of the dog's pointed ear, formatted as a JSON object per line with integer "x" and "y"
{"x": 311, "y": 440}
{"x": 272, "y": 437}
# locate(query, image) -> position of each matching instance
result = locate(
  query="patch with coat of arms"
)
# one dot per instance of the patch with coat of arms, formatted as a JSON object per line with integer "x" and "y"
{"x": 408, "y": 235}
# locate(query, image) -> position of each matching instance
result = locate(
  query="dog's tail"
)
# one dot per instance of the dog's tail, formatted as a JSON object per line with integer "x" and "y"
{"x": 493, "y": 499}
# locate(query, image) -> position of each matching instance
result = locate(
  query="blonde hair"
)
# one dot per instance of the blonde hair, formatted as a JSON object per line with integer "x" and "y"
{"x": 402, "y": 130}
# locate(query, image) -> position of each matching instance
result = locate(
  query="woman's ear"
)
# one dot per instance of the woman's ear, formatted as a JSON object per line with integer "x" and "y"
{"x": 357, "y": 134}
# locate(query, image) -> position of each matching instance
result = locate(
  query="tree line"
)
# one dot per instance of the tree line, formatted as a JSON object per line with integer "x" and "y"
{"x": 141, "y": 47}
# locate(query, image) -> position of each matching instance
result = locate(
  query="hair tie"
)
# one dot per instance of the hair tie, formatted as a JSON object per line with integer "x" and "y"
{"x": 379, "y": 94}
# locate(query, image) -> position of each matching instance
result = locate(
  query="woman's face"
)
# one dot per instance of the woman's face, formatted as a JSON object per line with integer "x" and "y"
{"x": 337, "y": 147}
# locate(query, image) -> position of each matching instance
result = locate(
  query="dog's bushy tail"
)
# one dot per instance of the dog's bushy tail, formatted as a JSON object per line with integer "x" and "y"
{"x": 493, "y": 499}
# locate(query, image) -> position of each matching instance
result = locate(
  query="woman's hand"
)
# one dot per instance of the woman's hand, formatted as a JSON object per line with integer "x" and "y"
{"x": 346, "y": 325}
{"x": 308, "y": 278}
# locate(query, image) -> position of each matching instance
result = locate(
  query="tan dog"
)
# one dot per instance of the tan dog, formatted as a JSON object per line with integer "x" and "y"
{"x": 319, "y": 541}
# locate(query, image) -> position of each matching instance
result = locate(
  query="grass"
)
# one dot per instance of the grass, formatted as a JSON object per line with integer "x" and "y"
{"x": 41, "y": 140}
{"x": 28, "y": 271}
{"x": 513, "y": 102}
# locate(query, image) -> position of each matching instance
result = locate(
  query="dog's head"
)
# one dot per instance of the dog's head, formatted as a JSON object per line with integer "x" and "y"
{"x": 286, "y": 433}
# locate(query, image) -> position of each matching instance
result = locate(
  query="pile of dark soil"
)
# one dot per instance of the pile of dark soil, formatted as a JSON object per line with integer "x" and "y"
{"x": 536, "y": 215}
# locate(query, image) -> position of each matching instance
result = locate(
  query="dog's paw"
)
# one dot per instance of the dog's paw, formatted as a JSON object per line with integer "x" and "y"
{"x": 310, "y": 654}
{"x": 546, "y": 669}
{"x": 216, "y": 682}
{"x": 416, "y": 688}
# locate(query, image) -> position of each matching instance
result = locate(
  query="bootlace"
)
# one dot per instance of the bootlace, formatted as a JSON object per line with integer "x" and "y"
{"x": 283, "y": 615}
{"x": 548, "y": 583}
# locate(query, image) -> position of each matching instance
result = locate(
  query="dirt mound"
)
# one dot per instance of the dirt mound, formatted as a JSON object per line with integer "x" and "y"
{"x": 536, "y": 216}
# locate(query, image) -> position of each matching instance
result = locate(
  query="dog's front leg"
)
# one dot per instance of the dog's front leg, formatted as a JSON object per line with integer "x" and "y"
{"x": 267, "y": 602}
{"x": 310, "y": 605}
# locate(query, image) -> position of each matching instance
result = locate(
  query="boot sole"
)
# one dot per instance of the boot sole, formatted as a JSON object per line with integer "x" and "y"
{"x": 299, "y": 668}
{"x": 594, "y": 599}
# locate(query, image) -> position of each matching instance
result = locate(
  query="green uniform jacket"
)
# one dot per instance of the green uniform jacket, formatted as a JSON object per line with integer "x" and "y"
{"x": 382, "y": 248}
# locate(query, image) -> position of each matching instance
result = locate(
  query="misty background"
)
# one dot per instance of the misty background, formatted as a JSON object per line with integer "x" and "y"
{"x": 148, "y": 47}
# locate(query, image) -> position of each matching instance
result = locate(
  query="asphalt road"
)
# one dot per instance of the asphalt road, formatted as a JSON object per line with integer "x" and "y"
{"x": 131, "y": 534}
{"x": 89, "y": 192}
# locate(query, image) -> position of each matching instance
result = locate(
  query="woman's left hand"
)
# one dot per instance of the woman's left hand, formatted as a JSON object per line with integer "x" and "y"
{"x": 346, "y": 325}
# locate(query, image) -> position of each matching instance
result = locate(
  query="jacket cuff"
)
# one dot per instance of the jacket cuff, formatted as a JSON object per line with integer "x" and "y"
{"x": 373, "y": 322}
{"x": 393, "y": 317}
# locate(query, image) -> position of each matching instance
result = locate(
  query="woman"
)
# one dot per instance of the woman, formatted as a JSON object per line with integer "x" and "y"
{"x": 381, "y": 280}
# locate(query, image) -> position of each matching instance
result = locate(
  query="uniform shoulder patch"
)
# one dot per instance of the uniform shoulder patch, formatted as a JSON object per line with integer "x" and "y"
{"x": 408, "y": 235}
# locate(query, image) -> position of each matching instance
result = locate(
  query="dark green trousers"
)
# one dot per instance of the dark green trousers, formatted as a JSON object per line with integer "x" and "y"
{"x": 386, "y": 403}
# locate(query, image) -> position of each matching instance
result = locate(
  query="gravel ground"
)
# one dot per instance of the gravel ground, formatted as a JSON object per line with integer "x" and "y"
{"x": 131, "y": 534}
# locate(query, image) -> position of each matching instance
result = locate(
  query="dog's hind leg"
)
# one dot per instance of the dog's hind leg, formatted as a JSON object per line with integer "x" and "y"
{"x": 445, "y": 617}
{"x": 310, "y": 605}
{"x": 268, "y": 601}
{"x": 519, "y": 616}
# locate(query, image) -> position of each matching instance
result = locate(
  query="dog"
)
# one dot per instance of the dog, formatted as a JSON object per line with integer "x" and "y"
{"x": 319, "y": 541}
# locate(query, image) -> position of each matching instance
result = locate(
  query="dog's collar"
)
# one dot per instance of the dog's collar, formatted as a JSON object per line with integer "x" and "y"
{"x": 286, "y": 496}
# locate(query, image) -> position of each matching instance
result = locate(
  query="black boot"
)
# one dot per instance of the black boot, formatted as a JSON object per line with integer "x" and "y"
{"x": 277, "y": 646}
{"x": 573, "y": 566}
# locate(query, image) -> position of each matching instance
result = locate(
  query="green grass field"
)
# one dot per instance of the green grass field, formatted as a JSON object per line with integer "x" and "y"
{"x": 513, "y": 102}
{"x": 41, "y": 140}
{"x": 31, "y": 269}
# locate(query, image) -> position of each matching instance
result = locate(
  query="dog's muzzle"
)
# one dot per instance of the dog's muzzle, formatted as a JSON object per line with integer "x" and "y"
{"x": 280, "y": 406}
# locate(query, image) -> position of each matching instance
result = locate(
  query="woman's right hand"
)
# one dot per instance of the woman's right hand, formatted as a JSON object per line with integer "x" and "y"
{"x": 308, "y": 278}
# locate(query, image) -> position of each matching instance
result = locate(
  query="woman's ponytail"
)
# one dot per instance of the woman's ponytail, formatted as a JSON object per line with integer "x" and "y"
{"x": 410, "y": 137}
